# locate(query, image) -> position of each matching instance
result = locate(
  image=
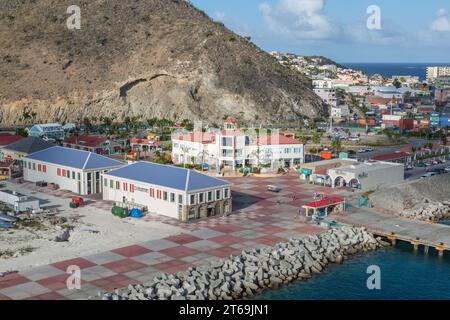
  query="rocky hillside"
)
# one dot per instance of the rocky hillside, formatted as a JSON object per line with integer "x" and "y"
{"x": 143, "y": 58}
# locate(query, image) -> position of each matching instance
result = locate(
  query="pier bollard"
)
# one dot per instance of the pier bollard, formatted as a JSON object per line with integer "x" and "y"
{"x": 440, "y": 249}
{"x": 416, "y": 243}
{"x": 393, "y": 238}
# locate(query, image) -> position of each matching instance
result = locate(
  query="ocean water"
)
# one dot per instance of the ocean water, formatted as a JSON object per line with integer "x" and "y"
{"x": 394, "y": 69}
{"x": 405, "y": 275}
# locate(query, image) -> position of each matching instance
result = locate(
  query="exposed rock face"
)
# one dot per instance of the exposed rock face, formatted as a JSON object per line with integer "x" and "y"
{"x": 138, "y": 58}
{"x": 428, "y": 210}
{"x": 424, "y": 199}
{"x": 254, "y": 270}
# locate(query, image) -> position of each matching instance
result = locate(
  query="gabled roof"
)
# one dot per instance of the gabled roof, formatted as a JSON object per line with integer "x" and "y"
{"x": 167, "y": 176}
{"x": 8, "y": 138}
{"x": 29, "y": 145}
{"x": 74, "y": 158}
{"x": 85, "y": 140}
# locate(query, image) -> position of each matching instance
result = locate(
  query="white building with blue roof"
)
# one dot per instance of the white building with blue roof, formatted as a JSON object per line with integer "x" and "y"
{"x": 78, "y": 171}
{"x": 167, "y": 190}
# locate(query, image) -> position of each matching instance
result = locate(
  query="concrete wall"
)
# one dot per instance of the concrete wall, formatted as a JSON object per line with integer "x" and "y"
{"x": 76, "y": 183}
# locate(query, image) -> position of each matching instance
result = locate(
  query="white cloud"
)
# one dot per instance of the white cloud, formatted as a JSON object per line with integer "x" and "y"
{"x": 442, "y": 22}
{"x": 299, "y": 19}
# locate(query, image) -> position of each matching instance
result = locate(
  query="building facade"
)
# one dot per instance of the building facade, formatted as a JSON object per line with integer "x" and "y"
{"x": 236, "y": 149}
{"x": 47, "y": 131}
{"x": 438, "y": 72}
{"x": 167, "y": 190}
{"x": 73, "y": 170}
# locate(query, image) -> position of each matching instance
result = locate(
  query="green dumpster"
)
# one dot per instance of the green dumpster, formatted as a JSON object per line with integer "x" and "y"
{"x": 73, "y": 205}
{"x": 120, "y": 212}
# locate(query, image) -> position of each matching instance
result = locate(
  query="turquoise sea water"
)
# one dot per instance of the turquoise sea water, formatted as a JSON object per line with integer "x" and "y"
{"x": 405, "y": 274}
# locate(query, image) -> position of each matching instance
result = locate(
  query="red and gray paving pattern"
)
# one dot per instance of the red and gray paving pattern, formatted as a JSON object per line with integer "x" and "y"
{"x": 260, "y": 218}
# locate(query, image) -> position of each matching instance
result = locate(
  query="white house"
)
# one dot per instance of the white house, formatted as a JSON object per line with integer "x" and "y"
{"x": 47, "y": 131}
{"x": 236, "y": 148}
{"x": 167, "y": 190}
{"x": 74, "y": 170}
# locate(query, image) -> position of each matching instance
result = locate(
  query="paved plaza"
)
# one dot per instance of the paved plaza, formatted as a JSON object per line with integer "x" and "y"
{"x": 260, "y": 218}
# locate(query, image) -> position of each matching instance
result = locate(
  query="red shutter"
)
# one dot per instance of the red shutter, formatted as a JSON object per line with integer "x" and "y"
{"x": 125, "y": 186}
{"x": 132, "y": 188}
{"x": 158, "y": 193}
{"x": 39, "y": 167}
{"x": 44, "y": 168}
{"x": 152, "y": 192}
{"x": 58, "y": 172}
{"x": 64, "y": 172}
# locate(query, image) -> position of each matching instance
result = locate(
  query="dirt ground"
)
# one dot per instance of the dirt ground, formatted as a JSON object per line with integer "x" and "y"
{"x": 406, "y": 195}
{"x": 93, "y": 231}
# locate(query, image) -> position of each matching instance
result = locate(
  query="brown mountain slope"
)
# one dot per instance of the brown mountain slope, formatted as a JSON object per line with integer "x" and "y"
{"x": 146, "y": 58}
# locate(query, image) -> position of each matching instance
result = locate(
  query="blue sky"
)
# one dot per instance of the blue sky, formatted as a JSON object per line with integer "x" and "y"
{"x": 411, "y": 30}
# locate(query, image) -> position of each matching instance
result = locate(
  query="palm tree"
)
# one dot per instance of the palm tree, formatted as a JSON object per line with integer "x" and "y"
{"x": 203, "y": 154}
{"x": 185, "y": 151}
{"x": 336, "y": 145}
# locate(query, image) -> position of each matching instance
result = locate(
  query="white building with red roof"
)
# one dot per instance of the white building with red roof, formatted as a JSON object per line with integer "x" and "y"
{"x": 236, "y": 148}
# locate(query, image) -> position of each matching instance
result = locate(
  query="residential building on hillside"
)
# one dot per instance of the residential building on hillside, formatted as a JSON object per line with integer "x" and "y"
{"x": 438, "y": 72}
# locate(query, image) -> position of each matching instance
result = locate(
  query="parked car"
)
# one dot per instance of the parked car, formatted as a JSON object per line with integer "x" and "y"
{"x": 427, "y": 164}
{"x": 428, "y": 175}
{"x": 434, "y": 162}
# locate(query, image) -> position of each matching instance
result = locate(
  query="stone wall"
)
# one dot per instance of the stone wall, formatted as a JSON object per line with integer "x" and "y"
{"x": 240, "y": 277}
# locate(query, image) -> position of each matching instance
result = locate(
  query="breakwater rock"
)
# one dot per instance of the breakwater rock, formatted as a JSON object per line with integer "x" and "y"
{"x": 240, "y": 277}
{"x": 428, "y": 210}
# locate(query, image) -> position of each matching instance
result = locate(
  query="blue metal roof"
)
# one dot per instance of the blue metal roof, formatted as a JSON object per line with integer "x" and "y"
{"x": 74, "y": 158}
{"x": 167, "y": 176}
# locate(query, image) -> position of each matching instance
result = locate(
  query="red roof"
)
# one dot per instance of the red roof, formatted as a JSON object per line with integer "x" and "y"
{"x": 202, "y": 137}
{"x": 277, "y": 139}
{"x": 8, "y": 138}
{"x": 144, "y": 141}
{"x": 379, "y": 100}
{"x": 85, "y": 140}
{"x": 230, "y": 120}
{"x": 324, "y": 203}
{"x": 392, "y": 156}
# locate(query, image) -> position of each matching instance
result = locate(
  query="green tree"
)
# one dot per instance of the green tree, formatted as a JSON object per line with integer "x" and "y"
{"x": 336, "y": 145}
{"x": 316, "y": 138}
{"x": 397, "y": 83}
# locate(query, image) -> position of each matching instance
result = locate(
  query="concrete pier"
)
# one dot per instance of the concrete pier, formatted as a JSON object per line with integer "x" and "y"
{"x": 395, "y": 229}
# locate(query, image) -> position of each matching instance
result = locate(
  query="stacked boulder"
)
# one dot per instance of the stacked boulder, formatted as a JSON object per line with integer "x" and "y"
{"x": 240, "y": 277}
{"x": 428, "y": 210}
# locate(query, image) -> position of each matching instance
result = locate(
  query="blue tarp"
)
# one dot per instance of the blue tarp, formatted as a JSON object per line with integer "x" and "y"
{"x": 136, "y": 213}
